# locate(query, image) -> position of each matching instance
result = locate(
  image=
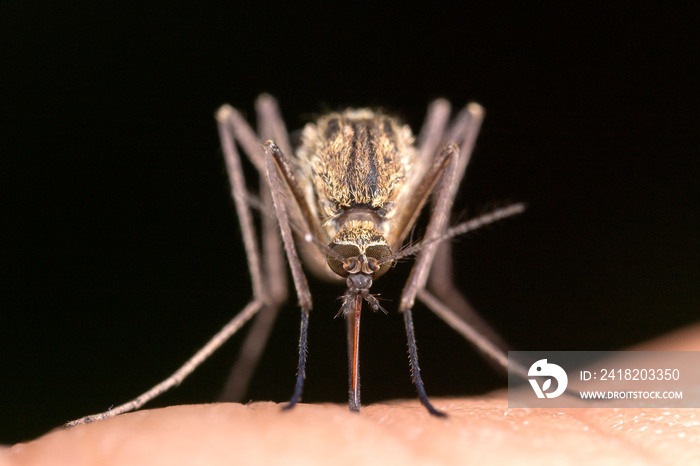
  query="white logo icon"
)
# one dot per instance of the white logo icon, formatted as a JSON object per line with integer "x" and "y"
{"x": 542, "y": 368}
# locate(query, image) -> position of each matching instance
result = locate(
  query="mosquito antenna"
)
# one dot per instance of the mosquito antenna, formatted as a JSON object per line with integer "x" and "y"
{"x": 457, "y": 230}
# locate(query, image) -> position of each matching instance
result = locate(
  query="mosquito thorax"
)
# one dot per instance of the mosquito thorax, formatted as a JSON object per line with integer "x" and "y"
{"x": 357, "y": 250}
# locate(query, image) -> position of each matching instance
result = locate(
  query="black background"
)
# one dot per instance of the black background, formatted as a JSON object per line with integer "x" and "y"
{"x": 120, "y": 250}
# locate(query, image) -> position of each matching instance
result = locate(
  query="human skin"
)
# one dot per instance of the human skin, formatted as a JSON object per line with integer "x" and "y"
{"x": 478, "y": 430}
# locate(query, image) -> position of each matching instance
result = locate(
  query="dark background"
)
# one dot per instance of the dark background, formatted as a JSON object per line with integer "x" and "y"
{"x": 121, "y": 253}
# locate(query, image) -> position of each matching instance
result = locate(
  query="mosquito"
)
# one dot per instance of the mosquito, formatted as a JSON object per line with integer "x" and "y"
{"x": 347, "y": 199}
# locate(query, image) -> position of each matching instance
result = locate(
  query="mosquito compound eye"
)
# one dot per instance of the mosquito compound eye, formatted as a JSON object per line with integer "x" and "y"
{"x": 374, "y": 255}
{"x": 340, "y": 257}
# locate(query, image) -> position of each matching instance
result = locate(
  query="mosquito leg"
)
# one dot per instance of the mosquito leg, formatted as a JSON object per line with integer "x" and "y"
{"x": 270, "y": 126}
{"x": 239, "y": 378}
{"x": 436, "y": 225}
{"x": 416, "y": 280}
{"x": 227, "y": 127}
{"x": 270, "y": 122}
{"x": 200, "y": 356}
{"x": 239, "y": 195}
{"x": 472, "y": 334}
{"x": 300, "y": 283}
{"x": 301, "y": 368}
{"x": 483, "y": 343}
{"x": 256, "y": 340}
{"x": 276, "y": 280}
{"x": 415, "y": 368}
{"x": 432, "y": 133}
{"x": 463, "y": 131}
{"x": 441, "y": 284}
{"x": 244, "y": 135}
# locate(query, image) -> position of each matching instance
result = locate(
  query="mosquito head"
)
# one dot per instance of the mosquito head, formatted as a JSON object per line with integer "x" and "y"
{"x": 356, "y": 253}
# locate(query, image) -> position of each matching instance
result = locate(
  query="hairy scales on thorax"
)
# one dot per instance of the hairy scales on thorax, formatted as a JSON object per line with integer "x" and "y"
{"x": 354, "y": 159}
